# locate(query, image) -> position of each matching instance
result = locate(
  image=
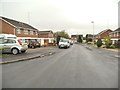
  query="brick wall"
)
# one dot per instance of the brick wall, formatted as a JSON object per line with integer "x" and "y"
{"x": 45, "y": 35}
{"x": 6, "y": 28}
{"x": 26, "y": 35}
{"x": 105, "y": 34}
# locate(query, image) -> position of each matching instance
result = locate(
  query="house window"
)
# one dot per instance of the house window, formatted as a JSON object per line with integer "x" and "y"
{"x": 25, "y": 31}
{"x": 31, "y": 32}
{"x": 117, "y": 33}
{"x": 112, "y": 34}
{"x": 35, "y": 33}
{"x": 18, "y": 31}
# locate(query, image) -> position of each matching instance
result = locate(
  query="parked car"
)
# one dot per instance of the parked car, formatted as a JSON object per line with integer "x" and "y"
{"x": 71, "y": 42}
{"x": 64, "y": 43}
{"x": 13, "y": 46}
{"x": 33, "y": 44}
{"x": 8, "y": 36}
{"x": 37, "y": 44}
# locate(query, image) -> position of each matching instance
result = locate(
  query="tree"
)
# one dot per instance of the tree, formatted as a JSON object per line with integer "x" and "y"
{"x": 57, "y": 39}
{"x": 99, "y": 43}
{"x": 61, "y": 34}
{"x": 89, "y": 38}
{"x": 108, "y": 42}
{"x": 79, "y": 39}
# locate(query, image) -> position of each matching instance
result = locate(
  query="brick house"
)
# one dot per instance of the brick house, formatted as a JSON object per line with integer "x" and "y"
{"x": 20, "y": 29}
{"x": 46, "y": 37}
{"x": 90, "y": 38}
{"x": 103, "y": 34}
{"x": 115, "y": 35}
{"x": 74, "y": 38}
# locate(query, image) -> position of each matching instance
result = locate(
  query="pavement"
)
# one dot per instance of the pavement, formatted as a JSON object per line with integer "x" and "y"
{"x": 79, "y": 66}
{"x": 114, "y": 50}
{"x": 28, "y": 55}
{"x": 109, "y": 49}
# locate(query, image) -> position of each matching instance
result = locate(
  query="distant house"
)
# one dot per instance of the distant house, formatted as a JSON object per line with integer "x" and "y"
{"x": 18, "y": 28}
{"x": 103, "y": 34}
{"x": 47, "y": 37}
{"x": 89, "y": 36}
{"x": 115, "y": 36}
{"x": 75, "y": 37}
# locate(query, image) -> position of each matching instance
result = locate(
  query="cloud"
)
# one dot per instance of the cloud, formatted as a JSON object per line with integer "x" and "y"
{"x": 72, "y": 15}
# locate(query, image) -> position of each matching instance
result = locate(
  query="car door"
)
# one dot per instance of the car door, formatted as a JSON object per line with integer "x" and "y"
{"x": 1, "y": 44}
{"x": 7, "y": 44}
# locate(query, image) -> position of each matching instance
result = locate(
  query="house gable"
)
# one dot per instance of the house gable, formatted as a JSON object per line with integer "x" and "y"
{"x": 6, "y": 27}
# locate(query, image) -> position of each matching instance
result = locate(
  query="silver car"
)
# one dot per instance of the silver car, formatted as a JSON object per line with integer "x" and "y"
{"x": 13, "y": 46}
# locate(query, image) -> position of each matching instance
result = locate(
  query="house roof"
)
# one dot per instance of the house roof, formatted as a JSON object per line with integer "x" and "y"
{"x": 46, "y": 32}
{"x": 104, "y": 31}
{"x": 19, "y": 24}
{"x": 76, "y": 35}
{"x": 73, "y": 35}
{"x": 117, "y": 29}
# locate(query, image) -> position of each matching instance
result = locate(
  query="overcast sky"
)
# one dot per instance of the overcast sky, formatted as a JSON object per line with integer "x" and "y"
{"x": 73, "y": 16}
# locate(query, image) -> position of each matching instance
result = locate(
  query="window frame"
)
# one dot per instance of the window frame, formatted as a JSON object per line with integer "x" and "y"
{"x": 25, "y": 32}
{"x": 18, "y": 31}
{"x": 31, "y": 32}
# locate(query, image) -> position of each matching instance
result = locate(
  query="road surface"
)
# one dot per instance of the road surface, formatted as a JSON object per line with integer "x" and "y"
{"x": 79, "y": 66}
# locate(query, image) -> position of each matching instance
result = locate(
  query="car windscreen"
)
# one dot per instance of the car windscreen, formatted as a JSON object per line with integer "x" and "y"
{"x": 63, "y": 41}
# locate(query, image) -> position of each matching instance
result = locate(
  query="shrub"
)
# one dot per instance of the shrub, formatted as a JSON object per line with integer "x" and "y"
{"x": 112, "y": 46}
{"x": 117, "y": 44}
{"x": 108, "y": 42}
{"x": 99, "y": 43}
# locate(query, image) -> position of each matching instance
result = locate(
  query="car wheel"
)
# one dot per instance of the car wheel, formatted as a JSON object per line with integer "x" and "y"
{"x": 33, "y": 46}
{"x": 59, "y": 47}
{"x": 23, "y": 51}
{"x": 15, "y": 51}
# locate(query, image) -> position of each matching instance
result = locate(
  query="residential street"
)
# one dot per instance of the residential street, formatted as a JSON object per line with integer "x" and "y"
{"x": 79, "y": 66}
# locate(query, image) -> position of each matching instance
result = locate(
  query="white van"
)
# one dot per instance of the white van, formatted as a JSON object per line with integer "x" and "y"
{"x": 64, "y": 43}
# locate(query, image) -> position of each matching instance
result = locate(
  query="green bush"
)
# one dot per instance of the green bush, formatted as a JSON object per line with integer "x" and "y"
{"x": 99, "y": 43}
{"x": 108, "y": 42}
{"x": 112, "y": 46}
{"x": 117, "y": 44}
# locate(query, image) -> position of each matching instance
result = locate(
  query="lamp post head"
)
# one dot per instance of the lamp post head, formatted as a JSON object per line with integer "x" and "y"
{"x": 92, "y": 21}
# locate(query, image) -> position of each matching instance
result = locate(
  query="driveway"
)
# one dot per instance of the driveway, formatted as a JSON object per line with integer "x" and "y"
{"x": 29, "y": 53}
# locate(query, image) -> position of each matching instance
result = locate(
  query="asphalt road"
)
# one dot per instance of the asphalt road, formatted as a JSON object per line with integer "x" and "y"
{"x": 79, "y": 66}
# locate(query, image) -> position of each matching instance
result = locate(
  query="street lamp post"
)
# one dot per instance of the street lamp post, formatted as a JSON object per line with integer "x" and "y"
{"x": 93, "y": 31}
